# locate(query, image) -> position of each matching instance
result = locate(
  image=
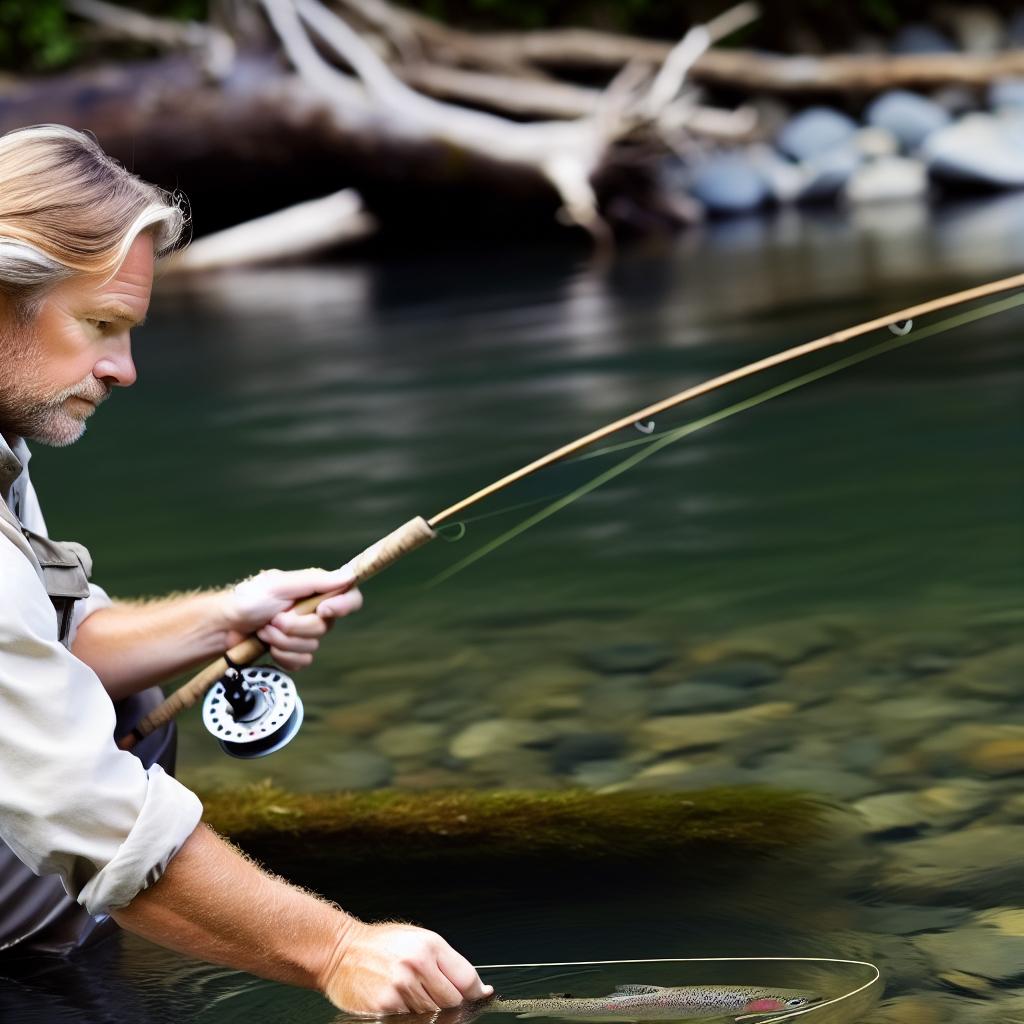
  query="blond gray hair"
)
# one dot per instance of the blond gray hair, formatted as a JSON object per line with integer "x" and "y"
{"x": 67, "y": 208}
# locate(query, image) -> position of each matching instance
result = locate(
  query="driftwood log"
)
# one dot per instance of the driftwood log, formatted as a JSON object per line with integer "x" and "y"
{"x": 324, "y": 110}
{"x": 441, "y": 131}
{"x": 745, "y": 70}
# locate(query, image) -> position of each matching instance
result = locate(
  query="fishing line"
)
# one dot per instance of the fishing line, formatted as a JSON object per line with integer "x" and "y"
{"x": 761, "y": 1018}
{"x": 229, "y": 670}
{"x": 649, "y": 447}
{"x": 463, "y": 523}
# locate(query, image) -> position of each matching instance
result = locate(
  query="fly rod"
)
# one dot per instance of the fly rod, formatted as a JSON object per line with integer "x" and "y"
{"x": 255, "y": 711}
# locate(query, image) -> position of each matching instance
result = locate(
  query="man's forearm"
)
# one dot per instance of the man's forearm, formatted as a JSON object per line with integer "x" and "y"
{"x": 215, "y": 905}
{"x": 132, "y": 646}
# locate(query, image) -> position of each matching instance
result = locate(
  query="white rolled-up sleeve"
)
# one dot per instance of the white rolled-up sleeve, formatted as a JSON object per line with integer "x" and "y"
{"x": 71, "y": 802}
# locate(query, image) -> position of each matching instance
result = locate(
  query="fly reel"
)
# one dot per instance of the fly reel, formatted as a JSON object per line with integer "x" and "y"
{"x": 253, "y": 711}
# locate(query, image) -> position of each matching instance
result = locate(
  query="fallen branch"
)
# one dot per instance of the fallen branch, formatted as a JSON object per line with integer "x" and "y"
{"x": 566, "y": 153}
{"x": 297, "y": 232}
{"x": 413, "y": 35}
{"x": 589, "y": 50}
{"x": 858, "y": 73}
{"x": 216, "y": 47}
{"x": 546, "y": 98}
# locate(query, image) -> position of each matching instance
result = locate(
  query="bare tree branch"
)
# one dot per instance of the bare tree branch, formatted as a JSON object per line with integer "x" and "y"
{"x": 216, "y": 47}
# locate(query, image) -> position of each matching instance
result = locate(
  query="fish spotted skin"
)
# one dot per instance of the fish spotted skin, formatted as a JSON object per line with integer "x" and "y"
{"x": 653, "y": 1002}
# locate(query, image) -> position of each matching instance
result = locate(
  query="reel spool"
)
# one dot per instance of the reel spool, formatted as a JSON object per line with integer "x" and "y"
{"x": 253, "y": 711}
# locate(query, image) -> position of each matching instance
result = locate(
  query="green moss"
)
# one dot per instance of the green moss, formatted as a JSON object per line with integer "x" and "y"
{"x": 546, "y": 828}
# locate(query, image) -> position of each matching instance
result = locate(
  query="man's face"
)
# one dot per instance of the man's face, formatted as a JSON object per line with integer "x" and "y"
{"x": 55, "y": 372}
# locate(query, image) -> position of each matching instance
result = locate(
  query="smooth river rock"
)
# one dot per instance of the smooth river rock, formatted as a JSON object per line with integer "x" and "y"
{"x": 599, "y": 774}
{"x": 979, "y": 149}
{"x": 410, "y": 740}
{"x": 682, "y": 732}
{"x": 1006, "y": 920}
{"x": 989, "y": 749}
{"x": 1007, "y": 93}
{"x": 784, "y": 643}
{"x": 499, "y": 736}
{"x": 976, "y": 950}
{"x": 628, "y": 657}
{"x": 743, "y": 672}
{"x": 941, "y": 806}
{"x": 730, "y": 183}
{"x": 688, "y": 697}
{"x": 827, "y": 174}
{"x": 815, "y": 131}
{"x": 570, "y": 751}
{"x": 352, "y": 769}
{"x": 887, "y": 179}
{"x": 909, "y": 116}
{"x": 978, "y": 865}
{"x": 997, "y": 673}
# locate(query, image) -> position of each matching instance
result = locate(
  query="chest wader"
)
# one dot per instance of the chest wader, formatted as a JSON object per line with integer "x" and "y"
{"x": 36, "y": 914}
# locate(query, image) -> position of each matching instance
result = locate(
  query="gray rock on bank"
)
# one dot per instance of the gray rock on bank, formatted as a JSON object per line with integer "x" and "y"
{"x": 730, "y": 183}
{"x": 1007, "y": 94}
{"x": 909, "y": 116}
{"x": 979, "y": 149}
{"x": 887, "y": 179}
{"x": 814, "y": 132}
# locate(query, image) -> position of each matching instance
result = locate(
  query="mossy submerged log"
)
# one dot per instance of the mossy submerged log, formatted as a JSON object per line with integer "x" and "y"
{"x": 540, "y": 830}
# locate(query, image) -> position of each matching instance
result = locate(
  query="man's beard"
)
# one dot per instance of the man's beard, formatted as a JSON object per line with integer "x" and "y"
{"x": 28, "y": 412}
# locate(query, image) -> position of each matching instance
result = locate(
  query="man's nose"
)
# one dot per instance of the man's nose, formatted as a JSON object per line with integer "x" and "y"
{"x": 116, "y": 368}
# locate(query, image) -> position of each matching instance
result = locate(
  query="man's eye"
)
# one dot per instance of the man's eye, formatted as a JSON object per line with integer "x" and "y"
{"x": 100, "y": 325}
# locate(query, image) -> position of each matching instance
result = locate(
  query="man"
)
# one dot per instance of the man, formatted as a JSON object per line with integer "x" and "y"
{"x": 79, "y": 237}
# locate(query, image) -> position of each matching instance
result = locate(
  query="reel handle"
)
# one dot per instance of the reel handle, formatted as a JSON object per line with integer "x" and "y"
{"x": 366, "y": 564}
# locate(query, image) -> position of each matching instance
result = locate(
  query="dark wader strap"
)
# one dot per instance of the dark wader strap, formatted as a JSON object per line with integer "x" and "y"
{"x": 66, "y": 568}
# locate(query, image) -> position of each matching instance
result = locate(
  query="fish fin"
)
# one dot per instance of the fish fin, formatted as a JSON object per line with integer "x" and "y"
{"x": 638, "y": 990}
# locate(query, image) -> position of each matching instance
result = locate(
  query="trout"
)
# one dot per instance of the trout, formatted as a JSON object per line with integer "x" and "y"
{"x": 653, "y": 1002}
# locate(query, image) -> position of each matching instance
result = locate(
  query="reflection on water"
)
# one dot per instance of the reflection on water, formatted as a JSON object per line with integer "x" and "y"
{"x": 822, "y": 593}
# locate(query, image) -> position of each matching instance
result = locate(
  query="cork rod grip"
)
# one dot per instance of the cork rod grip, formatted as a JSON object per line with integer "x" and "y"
{"x": 368, "y": 563}
{"x": 377, "y": 557}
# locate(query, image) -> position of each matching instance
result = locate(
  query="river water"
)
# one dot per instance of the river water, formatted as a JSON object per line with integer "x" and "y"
{"x": 822, "y": 593}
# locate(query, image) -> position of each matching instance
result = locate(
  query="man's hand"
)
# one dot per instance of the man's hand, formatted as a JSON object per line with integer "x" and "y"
{"x": 397, "y": 968}
{"x": 261, "y": 605}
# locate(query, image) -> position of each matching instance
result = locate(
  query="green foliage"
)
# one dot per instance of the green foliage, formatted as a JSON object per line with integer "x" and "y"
{"x": 40, "y": 36}
{"x": 35, "y": 35}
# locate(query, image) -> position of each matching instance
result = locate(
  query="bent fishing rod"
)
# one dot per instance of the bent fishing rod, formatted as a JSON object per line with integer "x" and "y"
{"x": 254, "y": 711}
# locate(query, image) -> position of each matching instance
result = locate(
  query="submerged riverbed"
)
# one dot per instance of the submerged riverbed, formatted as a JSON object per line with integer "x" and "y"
{"x": 822, "y": 594}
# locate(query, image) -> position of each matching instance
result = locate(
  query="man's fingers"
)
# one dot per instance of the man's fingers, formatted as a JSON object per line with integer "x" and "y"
{"x": 418, "y": 999}
{"x": 344, "y": 604}
{"x": 292, "y": 661}
{"x": 462, "y": 974}
{"x": 296, "y": 624}
{"x": 275, "y": 638}
{"x": 304, "y": 582}
{"x": 441, "y": 990}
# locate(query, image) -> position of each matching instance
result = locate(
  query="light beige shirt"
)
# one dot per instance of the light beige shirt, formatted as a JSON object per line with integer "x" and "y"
{"x": 71, "y": 802}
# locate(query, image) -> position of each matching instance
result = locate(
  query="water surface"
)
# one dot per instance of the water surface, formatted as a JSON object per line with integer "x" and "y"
{"x": 839, "y": 570}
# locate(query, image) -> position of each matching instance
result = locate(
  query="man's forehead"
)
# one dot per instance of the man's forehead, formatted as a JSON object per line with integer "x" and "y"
{"x": 126, "y": 295}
